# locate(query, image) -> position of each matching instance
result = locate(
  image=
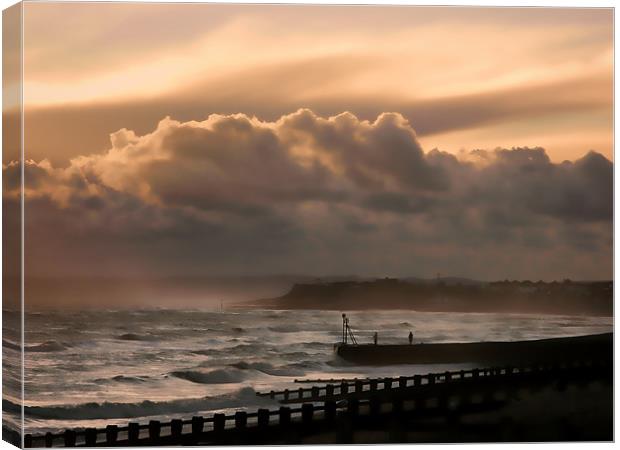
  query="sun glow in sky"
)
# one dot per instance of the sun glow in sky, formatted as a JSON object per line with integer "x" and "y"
{"x": 465, "y": 77}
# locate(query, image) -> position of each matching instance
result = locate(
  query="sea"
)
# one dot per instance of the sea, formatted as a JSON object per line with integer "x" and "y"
{"x": 99, "y": 367}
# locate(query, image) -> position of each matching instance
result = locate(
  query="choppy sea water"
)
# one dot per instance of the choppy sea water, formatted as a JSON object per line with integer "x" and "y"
{"x": 94, "y": 368}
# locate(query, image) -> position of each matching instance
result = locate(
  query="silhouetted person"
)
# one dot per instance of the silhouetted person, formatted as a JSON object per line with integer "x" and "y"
{"x": 376, "y": 337}
{"x": 410, "y": 337}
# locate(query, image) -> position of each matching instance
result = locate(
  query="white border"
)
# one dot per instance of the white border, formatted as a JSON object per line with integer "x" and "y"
{"x": 490, "y": 3}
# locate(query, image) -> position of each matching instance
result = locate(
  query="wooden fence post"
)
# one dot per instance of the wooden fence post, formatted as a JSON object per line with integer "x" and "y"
{"x": 49, "y": 439}
{"x": 219, "y": 422}
{"x": 359, "y": 387}
{"x": 198, "y": 423}
{"x": 285, "y": 416}
{"x": 176, "y": 431}
{"x": 307, "y": 411}
{"x": 111, "y": 435}
{"x": 241, "y": 419}
{"x": 300, "y": 393}
{"x": 373, "y": 385}
{"x": 402, "y": 382}
{"x": 344, "y": 388}
{"x": 286, "y": 394}
{"x": 154, "y": 431}
{"x": 417, "y": 380}
{"x": 329, "y": 391}
{"x": 90, "y": 437}
{"x": 431, "y": 378}
{"x": 133, "y": 433}
{"x": 69, "y": 438}
{"x": 448, "y": 377}
{"x": 387, "y": 383}
{"x": 315, "y": 392}
{"x": 330, "y": 411}
{"x": 263, "y": 418}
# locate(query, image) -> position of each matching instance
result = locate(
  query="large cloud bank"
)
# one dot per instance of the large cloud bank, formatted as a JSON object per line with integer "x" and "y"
{"x": 314, "y": 195}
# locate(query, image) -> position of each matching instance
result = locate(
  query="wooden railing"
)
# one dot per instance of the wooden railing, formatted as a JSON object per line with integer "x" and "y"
{"x": 134, "y": 433}
{"x": 347, "y": 387}
{"x": 206, "y": 429}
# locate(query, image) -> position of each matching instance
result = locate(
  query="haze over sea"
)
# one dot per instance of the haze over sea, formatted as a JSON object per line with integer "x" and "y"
{"x": 94, "y": 368}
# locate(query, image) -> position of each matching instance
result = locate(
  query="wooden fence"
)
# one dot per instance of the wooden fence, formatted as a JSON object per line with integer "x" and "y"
{"x": 366, "y": 396}
{"x": 365, "y": 386}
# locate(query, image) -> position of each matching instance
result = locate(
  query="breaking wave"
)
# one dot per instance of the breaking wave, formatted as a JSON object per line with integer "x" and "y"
{"x": 218, "y": 376}
{"x": 239, "y": 349}
{"x": 135, "y": 337}
{"x": 268, "y": 369}
{"x": 11, "y": 345}
{"x": 111, "y": 410}
{"x": 123, "y": 379}
{"x": 47, "y": 346}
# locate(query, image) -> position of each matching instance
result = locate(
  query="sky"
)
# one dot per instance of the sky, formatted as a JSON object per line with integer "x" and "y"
{"x": 168, "y": 139}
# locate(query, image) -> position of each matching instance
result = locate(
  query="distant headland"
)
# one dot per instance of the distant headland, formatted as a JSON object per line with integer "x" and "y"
{"x": 450, "y": 295}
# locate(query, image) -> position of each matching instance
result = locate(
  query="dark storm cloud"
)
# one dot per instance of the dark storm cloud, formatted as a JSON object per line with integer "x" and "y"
{"x": 372, "y": 156}
{"x": 317, "y": 195}
{"x": 233, "y": 165}
{"x": 525, "y": 178}
{"x": 397, "y": 202}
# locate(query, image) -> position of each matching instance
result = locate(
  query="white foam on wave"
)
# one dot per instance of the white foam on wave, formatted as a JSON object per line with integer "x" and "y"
{"x": 218, "y": 376}
{"x": 110, "y": 410}
{"x": 96, "y": 365}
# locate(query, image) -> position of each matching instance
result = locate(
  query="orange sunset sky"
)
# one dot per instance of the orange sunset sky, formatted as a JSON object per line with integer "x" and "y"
{"x": 465, "y": 77}
{"x": 372, "y": 140}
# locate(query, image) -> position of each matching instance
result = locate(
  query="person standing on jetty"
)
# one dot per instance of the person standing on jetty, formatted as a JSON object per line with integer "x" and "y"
{"x": 375, "y": 337}
{"x": 410, "y": 337}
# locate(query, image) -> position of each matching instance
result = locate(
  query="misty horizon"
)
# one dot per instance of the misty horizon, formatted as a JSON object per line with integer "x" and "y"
{"x": 317, "y": 277}
{"x": 217, "y": 292}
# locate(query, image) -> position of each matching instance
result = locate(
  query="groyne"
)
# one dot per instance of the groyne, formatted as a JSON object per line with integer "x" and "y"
{"x": 435, "y": 407}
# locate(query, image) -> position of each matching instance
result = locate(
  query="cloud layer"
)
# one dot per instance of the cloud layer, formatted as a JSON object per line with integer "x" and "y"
{"x": 485, "y": 81}
{"x": 315, "y": 195}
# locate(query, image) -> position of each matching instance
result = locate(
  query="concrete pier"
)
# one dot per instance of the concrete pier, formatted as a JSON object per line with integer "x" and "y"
{"x": 489, "y": 353}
